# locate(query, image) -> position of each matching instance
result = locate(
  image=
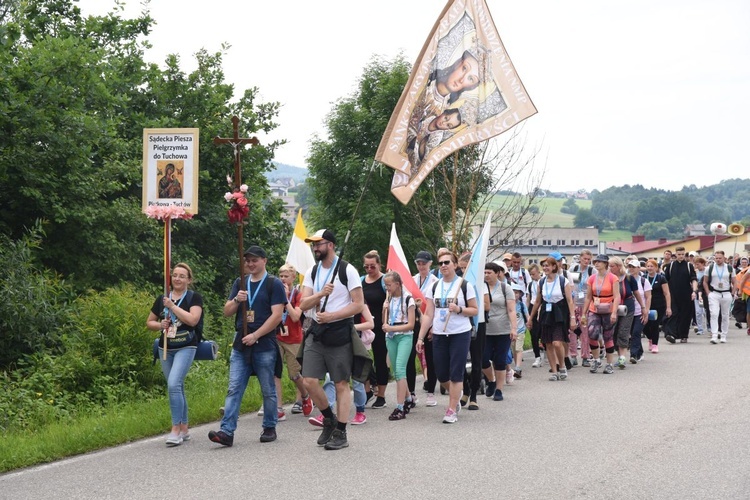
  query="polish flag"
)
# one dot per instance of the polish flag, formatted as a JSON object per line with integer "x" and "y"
{"x": 397, "y": 262}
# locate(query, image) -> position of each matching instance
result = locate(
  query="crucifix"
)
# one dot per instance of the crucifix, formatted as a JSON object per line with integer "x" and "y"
{"x": 238, "y": 143}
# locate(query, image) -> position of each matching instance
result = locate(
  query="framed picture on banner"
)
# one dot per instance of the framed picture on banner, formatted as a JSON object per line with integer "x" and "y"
{"x": 170, "y": 169}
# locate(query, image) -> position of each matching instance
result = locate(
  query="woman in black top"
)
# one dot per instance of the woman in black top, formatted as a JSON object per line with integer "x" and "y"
{"x": 373, "y": 290}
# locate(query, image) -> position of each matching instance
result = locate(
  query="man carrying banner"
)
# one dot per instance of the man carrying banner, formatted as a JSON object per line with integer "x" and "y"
{"x": 333, "y": 290}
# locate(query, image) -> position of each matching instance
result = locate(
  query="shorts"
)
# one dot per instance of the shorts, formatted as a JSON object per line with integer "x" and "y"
{"x": 449, "y": 353}
{"x": 289, "y": 353}
{"x": 319, "y": 360}
{"x": 518, "y": 343}
{"x": 496, "y": 352}
{"x": 278, "y": 367}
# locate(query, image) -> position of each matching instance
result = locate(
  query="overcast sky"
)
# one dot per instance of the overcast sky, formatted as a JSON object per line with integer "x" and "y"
{"x": 654, "y": 93}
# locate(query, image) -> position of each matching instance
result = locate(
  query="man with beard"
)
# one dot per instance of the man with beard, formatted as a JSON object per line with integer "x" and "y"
{"x": 334, "y": 292}
{"x": 683, "y": 287}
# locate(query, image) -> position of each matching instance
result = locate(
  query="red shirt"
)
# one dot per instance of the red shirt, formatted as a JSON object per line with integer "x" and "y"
{"x": 293, "y": 328}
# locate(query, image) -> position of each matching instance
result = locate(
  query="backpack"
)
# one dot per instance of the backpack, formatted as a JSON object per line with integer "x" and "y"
{"x": 464, "y": 284}
{"x": 198, "y": 328}
{"x": 362, "y": 280}
{"x": 342, "y": 272}
{"x": 707, "y": 276}
{"x": 668, "y": 269}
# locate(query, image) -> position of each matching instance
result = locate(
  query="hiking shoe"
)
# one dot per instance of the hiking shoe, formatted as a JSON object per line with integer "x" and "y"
{"x": 595, "y": 365}
{"x": 517, "y": 373}
{"x": 498, "y": 396}
{"x": 609, "y": 369}
{"x": 451, "y": 417}
{"x": 397, "y": 415}
{"x": 329, "y": 426}
{"x": 268, "y": 435}
{"x": 621, "y": 362}
{"x": 491, "y": 386}
{"x": 379, "y": 403}
{"x": 538, "y": 361}
{"x": 473, "y": 405}
{"x": 297, "y": 408}
{"x": 316, "y": 421}
{"x": 174, "y": 439}
{"x": 568, "y": 364}
{"x": 586, "y": 363}
{"x": 431, "y": 401}
{"x": 282, "y": 415}
{"x": 670, "y": 338}
{"x": 633, "y": 360}
{"x": 563, "y": 374}
{"x": 359, "y": 418}
{"x": 337, "y": 441}
{"x": 221, "y": 437}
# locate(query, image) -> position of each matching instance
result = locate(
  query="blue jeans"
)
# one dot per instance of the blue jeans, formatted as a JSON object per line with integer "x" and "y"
{"x": 175, "y": 369}
{"x": 636, "y": 347}
{"x": 360, "y": 398}
{"x": 240, "y": 369}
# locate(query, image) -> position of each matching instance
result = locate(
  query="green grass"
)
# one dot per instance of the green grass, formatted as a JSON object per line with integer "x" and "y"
{"x": 206, "y": 387}
{"x": 615, "y": 235}
{"x": 550, "y": 208}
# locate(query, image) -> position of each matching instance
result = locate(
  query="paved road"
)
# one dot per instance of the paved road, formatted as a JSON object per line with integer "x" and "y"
{"x": 674, "y": 426}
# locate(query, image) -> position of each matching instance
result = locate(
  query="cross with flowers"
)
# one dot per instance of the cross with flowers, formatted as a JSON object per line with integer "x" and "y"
{"x": 237, "y": 199}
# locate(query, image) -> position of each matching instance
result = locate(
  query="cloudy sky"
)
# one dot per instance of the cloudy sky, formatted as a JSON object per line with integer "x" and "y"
{"x": 637, "y": 92}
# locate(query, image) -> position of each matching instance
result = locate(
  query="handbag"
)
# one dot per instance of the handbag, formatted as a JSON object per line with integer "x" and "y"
{"x": 333, "y": 334}
{"x": 603, "y": 308}
{"x": 367, "y": 336}
{"x": 181, "y": 339}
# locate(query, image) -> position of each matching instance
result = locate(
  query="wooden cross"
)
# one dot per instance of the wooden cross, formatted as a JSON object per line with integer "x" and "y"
{"x": 238, "y": 144}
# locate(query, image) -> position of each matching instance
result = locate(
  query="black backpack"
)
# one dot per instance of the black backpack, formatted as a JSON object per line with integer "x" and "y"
{"x": 342, "y": 272}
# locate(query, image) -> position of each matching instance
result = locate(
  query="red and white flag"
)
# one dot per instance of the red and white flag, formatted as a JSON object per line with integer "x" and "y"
{"x": 397, "y": 262}
{"x": 463, "y": 90}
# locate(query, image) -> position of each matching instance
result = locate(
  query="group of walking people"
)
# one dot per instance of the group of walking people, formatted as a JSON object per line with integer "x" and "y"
{"x": 596, "y": 311}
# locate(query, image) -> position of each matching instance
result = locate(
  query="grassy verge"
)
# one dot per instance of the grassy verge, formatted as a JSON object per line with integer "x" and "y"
{"x": 206, "y": 387}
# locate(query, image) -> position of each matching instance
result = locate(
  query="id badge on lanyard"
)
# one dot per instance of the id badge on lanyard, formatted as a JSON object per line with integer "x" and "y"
{"x": 443, "y": 314}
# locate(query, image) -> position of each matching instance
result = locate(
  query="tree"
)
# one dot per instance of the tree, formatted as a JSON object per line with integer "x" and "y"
{"x": 77, "y": 94}
{"x": 569, "y": 207}
{"x": 586, "y": 218}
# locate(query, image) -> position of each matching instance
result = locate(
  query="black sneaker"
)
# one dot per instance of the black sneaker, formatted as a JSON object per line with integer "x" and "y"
{"x": 337, "y": 441}
{"x": 670, "y": 338}
{"x": 268, "y": 435}
{"x": 568, "y": 364}
{"x": 490, "y": 389}
{"x": 379, "y": 403}
{"x": 409, "y": 406}
{"x": 221, "y": 437}
{"x": 329, "y": 425}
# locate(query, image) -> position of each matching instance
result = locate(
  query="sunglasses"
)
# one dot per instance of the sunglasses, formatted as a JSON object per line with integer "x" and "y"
{"x": 370, "y": 266}
{"x": 444, "y": 262}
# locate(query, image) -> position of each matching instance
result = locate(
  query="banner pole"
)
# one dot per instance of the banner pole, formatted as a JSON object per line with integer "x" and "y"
{"x": 167, "y": 268}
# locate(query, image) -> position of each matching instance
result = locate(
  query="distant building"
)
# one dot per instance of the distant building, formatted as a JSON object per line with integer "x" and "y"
{"x": 536, "y": 243}
{"x": 695, "y": 230}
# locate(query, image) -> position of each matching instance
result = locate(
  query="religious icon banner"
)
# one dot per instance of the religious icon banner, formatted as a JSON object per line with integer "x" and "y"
{"x": 170, "y": 169}
{"x": 463, "y": 89}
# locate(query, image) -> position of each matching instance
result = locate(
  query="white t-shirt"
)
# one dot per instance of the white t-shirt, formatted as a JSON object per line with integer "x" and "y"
{"x": 520, "y": 277}
{"x": 398, "y": 311}
{"x": 551, "y": 292}
{"x": 444, "y": 296}
{"x": 643, "y": 288}
{"x": 340, "y": 297}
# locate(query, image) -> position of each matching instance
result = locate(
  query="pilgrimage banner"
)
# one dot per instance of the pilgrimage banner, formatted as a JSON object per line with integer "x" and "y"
{"x": 463, "y": 90}
{"x": 170, "y": 169}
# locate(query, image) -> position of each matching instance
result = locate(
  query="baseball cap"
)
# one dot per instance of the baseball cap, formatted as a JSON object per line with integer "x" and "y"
{"x": 255, "y": 251}
{"x": 556, "y": 255}
{"x": 507, "y": 256}
{"x": 502, "y": 266}
{"x": 322, "y": 234}
{"x": 693, "y": 254}
{"x": 634, "y": 263}
{"x": 423, "y": 256}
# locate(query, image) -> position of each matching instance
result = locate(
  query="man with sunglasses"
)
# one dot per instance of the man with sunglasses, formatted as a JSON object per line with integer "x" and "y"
{"x": 333, "y": 305}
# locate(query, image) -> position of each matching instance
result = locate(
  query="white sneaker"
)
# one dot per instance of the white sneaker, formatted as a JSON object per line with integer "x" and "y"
{"x": 431, "y": 401}
{"x": 451, "y": 417}
{"x": 714, "y": 338}
{"x": 537, "y": 363}
{"x": 509, "y": 377}
{"x": 174, "y": 440}
{"x": 723, "y": 339}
